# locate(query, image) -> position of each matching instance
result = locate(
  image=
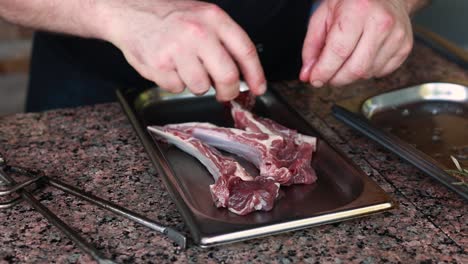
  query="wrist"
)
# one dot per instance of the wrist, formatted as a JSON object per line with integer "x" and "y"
{"x": 111, "y": 18}
{"x": 93, "y": 18}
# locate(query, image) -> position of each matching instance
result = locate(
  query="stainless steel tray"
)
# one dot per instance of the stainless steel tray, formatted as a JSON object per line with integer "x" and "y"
{"x": 342, "y": 192}
{"x": 424, "y": 124}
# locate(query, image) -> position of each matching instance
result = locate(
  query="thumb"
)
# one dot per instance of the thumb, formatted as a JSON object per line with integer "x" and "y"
{"x": 314, "y": 40}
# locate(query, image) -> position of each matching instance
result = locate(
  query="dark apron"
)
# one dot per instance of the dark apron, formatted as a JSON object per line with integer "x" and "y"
{"x": 69, "y": 71}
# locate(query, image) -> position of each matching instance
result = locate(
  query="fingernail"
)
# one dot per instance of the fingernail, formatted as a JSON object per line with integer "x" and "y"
{"x": 262, "y": 88}
{"x": 317, "y": 84}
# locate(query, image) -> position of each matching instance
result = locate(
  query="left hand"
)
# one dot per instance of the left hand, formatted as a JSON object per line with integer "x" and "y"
{"x": 349, "y": 40}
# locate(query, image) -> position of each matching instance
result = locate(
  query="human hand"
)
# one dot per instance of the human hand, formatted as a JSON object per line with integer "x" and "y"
{"x": 349, "y": 40}
{"x": 184, "y": 43}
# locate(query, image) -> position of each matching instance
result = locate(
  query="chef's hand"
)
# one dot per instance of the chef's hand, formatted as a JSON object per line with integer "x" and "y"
{"x": 184, "y": 43}
{"x": 349, "y": 40}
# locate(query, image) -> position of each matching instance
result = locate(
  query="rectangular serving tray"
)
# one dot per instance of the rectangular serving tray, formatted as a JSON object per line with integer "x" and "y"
{"x": 424, "y": 124}
{"x": 342, "y": 191}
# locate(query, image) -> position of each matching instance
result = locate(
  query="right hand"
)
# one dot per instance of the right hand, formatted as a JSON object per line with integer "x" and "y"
{"x": 185, "y": 43}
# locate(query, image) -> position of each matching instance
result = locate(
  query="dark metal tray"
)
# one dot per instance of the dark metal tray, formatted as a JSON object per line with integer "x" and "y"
{"x": 424, "y": 124}
{"x": 342, "y": 192}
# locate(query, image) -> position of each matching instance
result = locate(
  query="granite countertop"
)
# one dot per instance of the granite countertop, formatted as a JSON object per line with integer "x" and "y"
{"x": 96, "y": 149}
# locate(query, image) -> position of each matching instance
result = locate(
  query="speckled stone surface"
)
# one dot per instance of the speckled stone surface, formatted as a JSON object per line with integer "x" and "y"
{"x": 95, "y": 149}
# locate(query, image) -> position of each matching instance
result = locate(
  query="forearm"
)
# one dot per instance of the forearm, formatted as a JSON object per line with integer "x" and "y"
{"x": 415, "y": 5}
{"x": 77, "y": 17}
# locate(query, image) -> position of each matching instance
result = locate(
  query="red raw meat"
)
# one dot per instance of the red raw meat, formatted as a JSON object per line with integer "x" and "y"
{"x": 246, "y": 99}
{"x": 259, "y": 148}
{"x": 234, "y": 188}
{"x": 297, "y": 150}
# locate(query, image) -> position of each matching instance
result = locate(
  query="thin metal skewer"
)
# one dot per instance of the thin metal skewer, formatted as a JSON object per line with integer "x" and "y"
{"x": 19, "y": 186}
{"x": 67, "y": 230}
{"x": 171, "y": 233}
{"x": 10, "y": 203}
{"x": 118, "y": 210}
{"x": 52, "y": 218}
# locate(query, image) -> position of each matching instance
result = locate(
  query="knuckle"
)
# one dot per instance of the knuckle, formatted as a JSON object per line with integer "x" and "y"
{"x": 358, "y": 72}
{"x": 340, "y": 49}
{"x": 200, "y": 90}
{"x": 400, "y": 35}
{"x": 199, "y": 86}
{"x": 163, "y": 66}
{"x": 319, "y": 73}
{"x": 226, "y": 95}
{"x": 175, "y": 87}
{"x": 214, "y": 11}
{"x": 229, "y": 78}
{"x": 178, "y": 48}
{"x": 196, "y": 29}
{"x": 250, "y": 51}
{"x": 257, "y": 81}
{"x": 385, "y": 21}
{"x": 170, "y": 83}
{"x": 178, "y": 89}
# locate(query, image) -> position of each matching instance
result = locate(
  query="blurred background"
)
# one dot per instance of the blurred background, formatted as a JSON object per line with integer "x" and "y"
{"x": 445, "y": 18}
{"x": 15, "y": 47}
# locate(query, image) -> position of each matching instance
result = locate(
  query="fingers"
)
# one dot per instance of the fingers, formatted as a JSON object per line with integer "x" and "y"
{"x": 351, "y": 40}
{"x": 192, "y": 73}
{"x": 391, "y": 66}
{"x": 396, "y": 61}
{"x": 360, "y": 63}
{"x": 340, "y": 44}
{"x": 169, "y": 81}
{"x": 195, "y": 45}
{"x": 314, "y": 41}
{"x": 384, "y": 57}
{"x": 399, "y": 46}
{"x": 244, "y": 52}
{"x": 222, "y": 69}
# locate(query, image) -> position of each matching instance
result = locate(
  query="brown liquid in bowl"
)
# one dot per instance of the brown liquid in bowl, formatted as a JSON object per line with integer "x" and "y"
{"x": 437, "y": 128}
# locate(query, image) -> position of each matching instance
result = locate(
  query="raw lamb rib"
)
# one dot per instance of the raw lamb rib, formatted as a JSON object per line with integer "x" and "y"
{"x": 259, "y": 148}
{"x": 234, "y": 188}
{"x": 297, "y": 151}
{"x": 277, "y": 151}
{"x": 243, "y": 119}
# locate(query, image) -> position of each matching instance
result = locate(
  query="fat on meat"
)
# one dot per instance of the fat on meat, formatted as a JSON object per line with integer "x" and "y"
{"x": 259, "y": 148}
{"x": 297, "y": 150}
{"x": 234, "y": 188}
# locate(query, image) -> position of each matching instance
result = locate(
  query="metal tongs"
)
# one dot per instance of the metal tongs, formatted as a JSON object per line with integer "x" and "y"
{"x": 39, "y": 179}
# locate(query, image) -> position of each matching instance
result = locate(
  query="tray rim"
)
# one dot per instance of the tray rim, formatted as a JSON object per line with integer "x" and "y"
{"x": 370, "y": 106}
{"x": 349, "y": 111}
{"x": 295, "y": 225}
{"x": 349, "y": 210}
